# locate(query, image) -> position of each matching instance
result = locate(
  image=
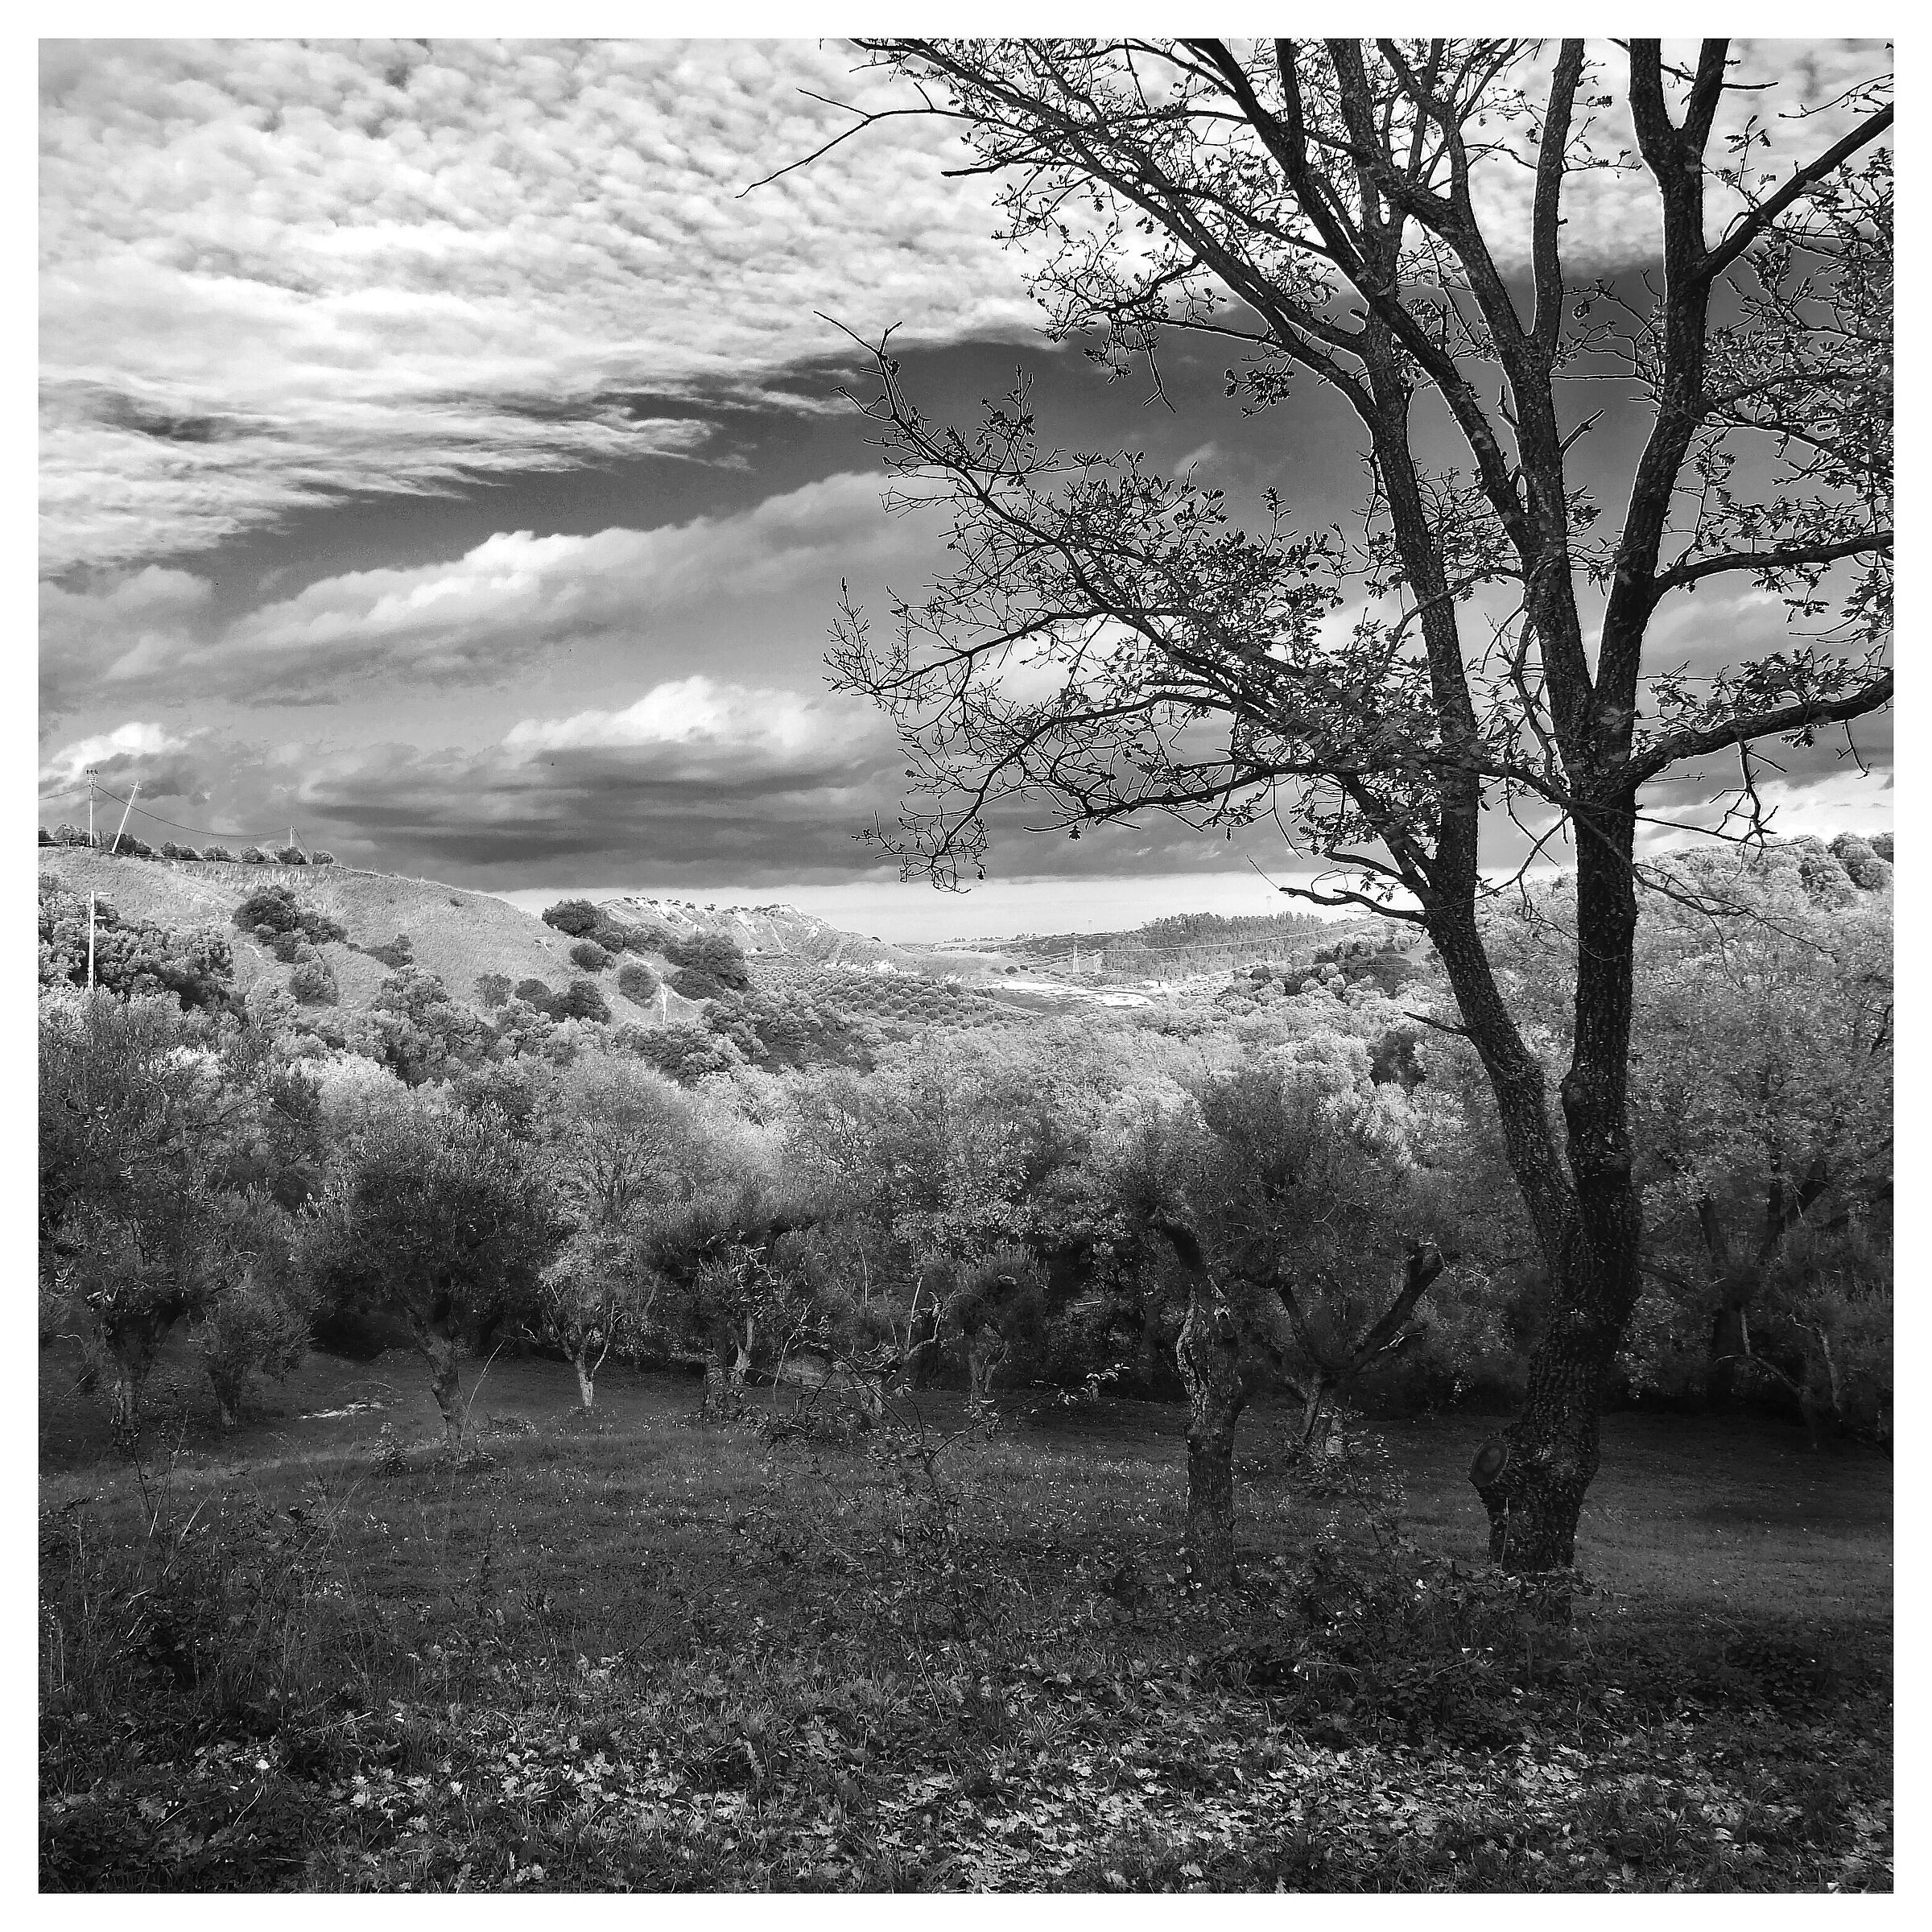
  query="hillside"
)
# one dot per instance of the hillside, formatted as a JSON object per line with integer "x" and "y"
{"x": 783, "y": 931}
{"x": 458, "y": 935}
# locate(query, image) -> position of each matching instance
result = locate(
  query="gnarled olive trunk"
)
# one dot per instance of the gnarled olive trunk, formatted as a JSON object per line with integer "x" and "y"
{"x": 587, "y": 1387}
{"x": 441, "y": 1351}
{"x": 985, "y": 1349}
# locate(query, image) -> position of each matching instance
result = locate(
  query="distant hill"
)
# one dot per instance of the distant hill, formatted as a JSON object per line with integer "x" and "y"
{"x": 783, "y": 931}
{"x": 457, "y": 935}
{"x": 1183, "y": 944}
{"x": 460, "y": 936}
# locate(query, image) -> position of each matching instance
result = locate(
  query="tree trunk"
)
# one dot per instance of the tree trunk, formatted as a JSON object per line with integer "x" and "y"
{"x": 720, "y": 1382}
{"x": 445, "y": 1383}
{"x": 1734, "y": 1288}
{"x": 1316, "y": 1421}
{"x": 1532, "y": 1479}
{"x": 984, "y": 1351}
{"x": 1209, "y": 1354}
{"x": 587, "y": 1387}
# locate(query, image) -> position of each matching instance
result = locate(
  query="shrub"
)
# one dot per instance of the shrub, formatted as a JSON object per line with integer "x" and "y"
{"x": 611, "y": 936}
{"x": 583, "y": 1001}
{"x": 125, "y": 845}
{"x": 535, "y": 993}
{"x": 714, "y": 956}
{"x": 292, "y": 855}
{"x": 575, "y": 917}
{"x": 217, "y": 854}
{"x": 396, "y": 953}
{"x": 687, "y": 1053}
{"x": 321, "y": 858}
{"x": 46, "y": 838}
{"x": 70, "y": 835}
{"x": 637, "y": 982}
{"x": 253, "y": 855}
{"x": 274, "y": 912}
{"x": 590, "y": 955}
{"x": 130, "y": 957}
{"x": 1861, "y": 861}
{"x": 313, "y": 982}
{"x": 492, "y": 990}
{"x": 695, "y": 985}
{"x": 1881, "y": 844}
{"x": 170, "y": 850}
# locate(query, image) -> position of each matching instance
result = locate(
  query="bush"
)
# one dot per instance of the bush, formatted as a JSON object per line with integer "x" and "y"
{"x": 398, "y": 952}
{"x": 590, "y": 955}
{"x": 537, "y": 993}
{"x": 714, "y": 957}
{"x": 637, "y": 982}
{"x": 217, "y": 854}
{"x": 125, "y": 845}
{"x": 274, "y": 914}
{"x": 313, "y": 982}
{"x": 583, "y": 1001}
{"x": 321, "y": 858}
{"x": 575, "y": 917}
{"x": 492, "y": 990}
{"x": 292, "y": 855}
{"x": 253, "y": 855}
{"x": 695, "y": 985}
{"x": 1862, "y": 863}
{"x": 70, "y": 835}
{"x": 131, "y": 957}
{"x": 687, "y": 1053}
{"x": 46, "y": 838}
{"x": 611, "y": 936}
{"x": 170, "y": 850}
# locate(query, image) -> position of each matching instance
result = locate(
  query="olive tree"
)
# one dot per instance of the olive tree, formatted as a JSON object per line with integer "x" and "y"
{"x": 1111, "y": 645}
{"x": 443, "y": 1217}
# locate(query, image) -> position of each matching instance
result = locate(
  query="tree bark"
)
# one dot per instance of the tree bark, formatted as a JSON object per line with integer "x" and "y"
{"x": 1531, "y": 1481}
{"x": 1209, "y": 1354}
{"x": 445, "y": 1384}
{"x": 985, "y": 1349}
{"x": 587, "y": 1388}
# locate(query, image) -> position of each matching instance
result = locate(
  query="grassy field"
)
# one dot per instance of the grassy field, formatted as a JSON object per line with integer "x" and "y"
{"x": 630, "y": 1650}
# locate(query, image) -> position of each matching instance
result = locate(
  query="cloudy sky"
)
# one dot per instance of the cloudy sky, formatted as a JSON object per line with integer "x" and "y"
{"x": 443, "y": 456}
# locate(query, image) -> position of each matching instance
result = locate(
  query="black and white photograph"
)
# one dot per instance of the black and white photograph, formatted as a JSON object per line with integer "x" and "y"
{"x": 965, "y": 964}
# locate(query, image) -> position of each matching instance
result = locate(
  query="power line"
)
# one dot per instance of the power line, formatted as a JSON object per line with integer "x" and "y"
{"x": 250, "y": 838}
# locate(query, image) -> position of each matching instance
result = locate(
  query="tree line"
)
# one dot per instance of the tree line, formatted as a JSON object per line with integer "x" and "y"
{"x": 1294, "y": 1189}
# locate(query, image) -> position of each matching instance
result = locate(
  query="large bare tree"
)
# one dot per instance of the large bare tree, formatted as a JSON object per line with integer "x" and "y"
{"x": 1387, "y": 220}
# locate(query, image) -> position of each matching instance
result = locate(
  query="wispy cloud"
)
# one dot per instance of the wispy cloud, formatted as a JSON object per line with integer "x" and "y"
{"x": 500, "y": 609}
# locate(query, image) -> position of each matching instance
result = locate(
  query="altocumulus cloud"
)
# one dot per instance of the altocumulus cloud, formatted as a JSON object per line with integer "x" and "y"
{"x": 274, "y": 271}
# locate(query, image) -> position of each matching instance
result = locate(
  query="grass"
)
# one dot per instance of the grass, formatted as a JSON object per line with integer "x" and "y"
{"x": 628, "y": 1650}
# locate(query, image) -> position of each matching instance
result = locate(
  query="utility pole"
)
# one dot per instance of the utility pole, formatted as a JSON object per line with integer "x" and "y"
{"x": 87, "y": 772}
{"x": 131, "y": 797}
{"x": 90, "y": 936}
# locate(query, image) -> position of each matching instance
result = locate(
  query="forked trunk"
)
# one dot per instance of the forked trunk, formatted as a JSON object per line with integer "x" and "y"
{"x": 587, "y": 1387}
{"x": 985, "y": 1349}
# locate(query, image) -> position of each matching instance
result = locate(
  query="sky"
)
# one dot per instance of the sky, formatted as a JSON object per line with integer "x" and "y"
{"x": 445, "y": 458}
